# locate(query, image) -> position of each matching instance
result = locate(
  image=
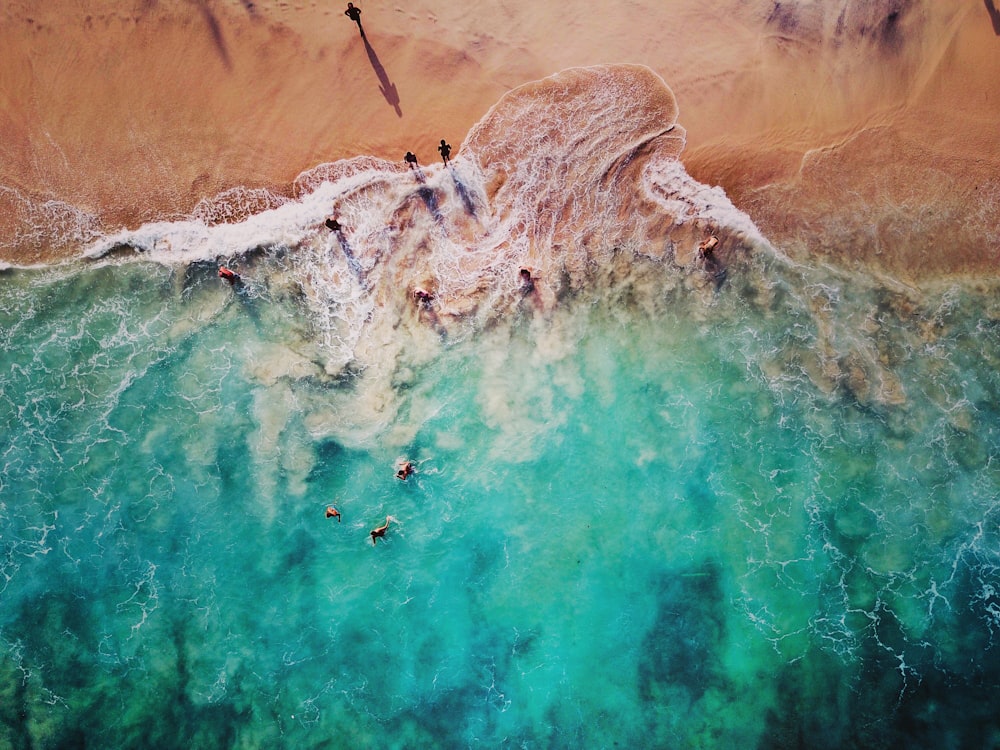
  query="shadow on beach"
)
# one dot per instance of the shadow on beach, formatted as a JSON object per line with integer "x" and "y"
{"x": 387, "y": 87}
{"x": 991, "y": 8}
{"x": 215, "y": 30}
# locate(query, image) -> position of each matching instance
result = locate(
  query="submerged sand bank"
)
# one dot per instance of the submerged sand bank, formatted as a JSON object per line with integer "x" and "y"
{"x": 863, "y": 131}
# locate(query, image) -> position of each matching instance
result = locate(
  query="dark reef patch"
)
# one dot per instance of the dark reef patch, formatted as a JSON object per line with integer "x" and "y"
{"x": 682, "y": 647}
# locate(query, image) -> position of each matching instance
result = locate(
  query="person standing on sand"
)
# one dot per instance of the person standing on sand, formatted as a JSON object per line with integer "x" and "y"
{"x": 355, "y": 15}
{"x": 411, "y": 159}
{"x": 445, "y": 150}
{"x": 380, "y": 531}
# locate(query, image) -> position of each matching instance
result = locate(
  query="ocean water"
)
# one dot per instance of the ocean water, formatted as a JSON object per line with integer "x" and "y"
{"x": 657, "y": 502}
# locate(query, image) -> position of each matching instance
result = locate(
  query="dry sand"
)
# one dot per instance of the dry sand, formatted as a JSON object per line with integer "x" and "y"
{"x": 864, "y": 131}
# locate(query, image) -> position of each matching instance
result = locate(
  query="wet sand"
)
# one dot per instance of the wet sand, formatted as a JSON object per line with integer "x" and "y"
{"x": 858, "y": 132}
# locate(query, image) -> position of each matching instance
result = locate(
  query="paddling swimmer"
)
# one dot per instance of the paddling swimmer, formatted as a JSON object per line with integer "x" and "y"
{"x": 332, "y": 512}
{"x": 706, "y": 254}
{"x": 445, "y": 150}
{"x": 380, "y": 531}
{"x": 228, "y": 274}
{"x": 707, "y": 247}
{"x": 422, "y": 297}
{"x": 710, "y": 262}
{"x": 405, "y": 470}
{"x": 527, "y": 282}
{"x": 424, "y": 301}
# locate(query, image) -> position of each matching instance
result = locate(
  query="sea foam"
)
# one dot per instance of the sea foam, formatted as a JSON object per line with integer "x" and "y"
{"x": 562, "y": 176}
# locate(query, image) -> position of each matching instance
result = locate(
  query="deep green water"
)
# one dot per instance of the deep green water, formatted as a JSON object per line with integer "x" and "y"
{"x": 644, "y": 519}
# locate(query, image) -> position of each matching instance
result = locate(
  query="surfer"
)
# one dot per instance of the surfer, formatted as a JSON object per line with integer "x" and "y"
{"x": 228, "y": 274}
{"x": 405, "y": 470}
{"x": 355, "y": 15}
{"x": 445, "y": 150}
{"x": 380, "y": 531}
{"x": 332, "y": 512}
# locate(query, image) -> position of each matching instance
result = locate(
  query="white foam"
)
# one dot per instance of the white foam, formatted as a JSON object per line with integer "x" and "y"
{"x": 49, "y": 222}
{"x": 236, "y": 204}
{"x": 668, "y": 183}
{"x": 189, "y": 240}
{"x": 548, "y": 180}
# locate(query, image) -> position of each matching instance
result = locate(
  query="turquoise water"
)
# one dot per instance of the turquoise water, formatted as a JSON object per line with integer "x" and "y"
{"x": 765, "y": 515}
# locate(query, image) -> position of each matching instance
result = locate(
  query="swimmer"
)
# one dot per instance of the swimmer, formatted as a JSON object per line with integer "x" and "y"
{"x": 422, "y": 296}
{"x": 380, "y": 531}
{"x": 229, "y": 275}
{"x": 706, "y": 248}
{"x": 332, "y": 512}
{"x": 332, "y": 224}
{"x": 527, "y": 282}
{"x": 405, "y": 470}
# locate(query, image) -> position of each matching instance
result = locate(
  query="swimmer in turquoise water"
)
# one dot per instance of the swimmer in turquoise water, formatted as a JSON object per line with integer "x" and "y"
{"x": 380, "y": 531}
{"x": 405, "y": 470}
{"x": 332, "y": 512}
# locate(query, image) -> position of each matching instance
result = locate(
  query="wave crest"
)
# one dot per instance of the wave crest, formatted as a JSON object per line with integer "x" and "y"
{"x": 235, "y": 205}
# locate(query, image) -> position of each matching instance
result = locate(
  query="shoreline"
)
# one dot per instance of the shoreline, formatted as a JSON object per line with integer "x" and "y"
{"x": 837, "y": 131}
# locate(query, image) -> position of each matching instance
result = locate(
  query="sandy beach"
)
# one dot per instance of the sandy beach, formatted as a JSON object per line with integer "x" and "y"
{"x": 857, "y": 132}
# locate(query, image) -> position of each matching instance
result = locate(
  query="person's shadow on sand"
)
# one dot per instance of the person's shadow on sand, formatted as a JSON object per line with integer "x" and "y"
{"x": 991, "y": 8}
{"x": 387, "y": 87}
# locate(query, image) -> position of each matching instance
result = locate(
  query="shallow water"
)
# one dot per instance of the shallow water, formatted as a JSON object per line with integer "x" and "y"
{"x": 637, "y": 520}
